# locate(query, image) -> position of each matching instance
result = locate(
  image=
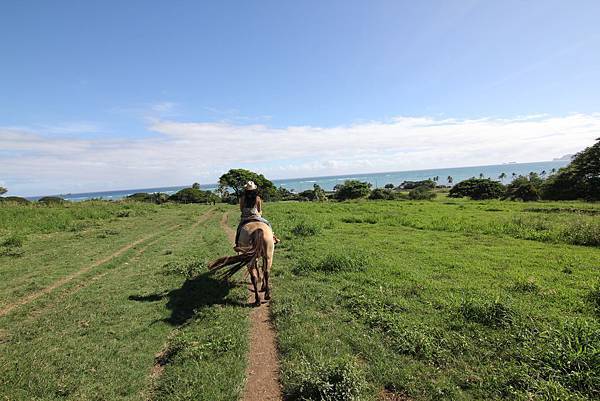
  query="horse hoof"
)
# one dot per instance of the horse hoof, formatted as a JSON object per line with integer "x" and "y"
{"x": 256, "y": 303}
{"x": 267, "y": 296}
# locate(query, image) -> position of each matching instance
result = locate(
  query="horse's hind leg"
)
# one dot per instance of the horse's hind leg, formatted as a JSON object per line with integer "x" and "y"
{"x": 267, "y": 262}
{"x": 253, "y": 269}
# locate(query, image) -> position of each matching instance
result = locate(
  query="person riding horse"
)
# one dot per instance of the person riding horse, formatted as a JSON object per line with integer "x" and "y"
{"x": 251, "y": 208}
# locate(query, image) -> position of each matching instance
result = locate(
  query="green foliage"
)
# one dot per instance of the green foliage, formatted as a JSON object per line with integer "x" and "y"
{"x": 195, "y": 186}
{"x": 3, "y": 190}
{"x": 51, "y": 200}
{"x": 11, "y": 246}
{"x": 237, "y": 178}
{"x": 191, "y": 195}
{"x": 383, "y": 193}
{"x": 415, "y": 184}
{"x": 14, "y": 199}
{"x": 186, "y": 268}
{"x": 524, "y": 188}
{"x": 581, "y": 231}
{"x": 305, "y": 229}
{"x": 316, "y": 194}
{"x": 422, "y": 193}
{"x": 333, "y": 263}
{"x": 352, "y": 189}
{"x": 477, "y": 189}
{"x": 579, "y": 180}
{"x": 337, "y": 380}
{"x": 492, "y": 314}
{"x": 389, "y": 186}
{"x": 283, "y": 194}
{"x": 157, "y": 197}
{"x": 593, "y": 297}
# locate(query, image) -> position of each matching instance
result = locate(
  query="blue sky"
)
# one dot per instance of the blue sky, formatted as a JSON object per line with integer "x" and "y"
{"x": 114, "y": 94}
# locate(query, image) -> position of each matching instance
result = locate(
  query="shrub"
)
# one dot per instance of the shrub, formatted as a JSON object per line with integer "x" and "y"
{"x": 415, "y": 184}
{"x": 51, "y": 200}
{"x": 333, "y": 263}
{"x": 389, "y": 186}
{"x": 191, "y": 195}
{"x": 524, "y": 188}
{"x": 352, "y": 189}
{"x": 338, "y": 380}
{"x": 305, "y": 229}
{"x": 14, "y": 199}
{"x": 491, "y": 314}
{"x": 421, "y": 193}
{"x": 478, "y": 189}
{"x": 157, "y": 197}
{"x": 11, "y": 246}
{"x": 379, "y": 193}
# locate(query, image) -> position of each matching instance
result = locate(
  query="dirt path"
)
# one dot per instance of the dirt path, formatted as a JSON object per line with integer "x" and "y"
{"x": 262, "y": 372}
{"x": 35, "y": 295}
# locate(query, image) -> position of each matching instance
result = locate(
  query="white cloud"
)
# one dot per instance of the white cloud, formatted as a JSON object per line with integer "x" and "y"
{"x": 181, "y": 152}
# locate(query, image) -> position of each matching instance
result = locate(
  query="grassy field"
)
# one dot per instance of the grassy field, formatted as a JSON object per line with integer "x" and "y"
{"x": 450, "y": 299}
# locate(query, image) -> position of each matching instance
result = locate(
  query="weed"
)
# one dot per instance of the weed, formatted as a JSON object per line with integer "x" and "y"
{"x": 582, "y": 232}
{"x": 593, "y": 297}
{"x": 338, "y": 380}
{"x": 491, "y": 314}
{"x": 528, "y": 285}
{"x": 305, "y": 229}
{"x": 187, "y": 268}
{"x": 13, "y": 241}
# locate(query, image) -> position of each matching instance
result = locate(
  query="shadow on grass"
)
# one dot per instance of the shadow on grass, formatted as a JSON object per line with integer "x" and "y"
{"x": 196, "y": 293}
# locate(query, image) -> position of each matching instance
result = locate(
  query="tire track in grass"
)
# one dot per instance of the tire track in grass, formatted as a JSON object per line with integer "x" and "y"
{"x": 5, "y": 310}
{"x": 262, "y": 371}
{"x": 161, "y": 358}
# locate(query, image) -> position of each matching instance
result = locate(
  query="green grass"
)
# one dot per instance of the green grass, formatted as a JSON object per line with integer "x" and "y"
{"x": 439, "y": 300}
{"x": 97, "y": 336}
{"x": 427, "y": 300}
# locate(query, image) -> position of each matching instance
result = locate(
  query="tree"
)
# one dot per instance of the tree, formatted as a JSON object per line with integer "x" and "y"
{"x": 450, "y": 179}
{"x": 319, "y": 193}
{"x": 389, "y": 186}
{"x": 3, "y": 190}
{"x": 237, "y": 178}
{"x": 415, "y": 184}
{"x": 480, "y": 175}
{"x": 502, "y": 176}
{"x": 580, "y": 179}
{"x": 383, "y": 193}
{"x": 195, "y": 186}
{"x": 352, "y": 189}
{"x": 478, "y": 189}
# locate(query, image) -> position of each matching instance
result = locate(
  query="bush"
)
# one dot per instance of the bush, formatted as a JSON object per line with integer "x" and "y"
{"x": 379, "y": 193}
{"x": 352, "y": 189}
{"x": 339, "y": 380}
{"x": 305, "y": 230}
{"x": 582, "y": 232}
{"x": 415, "y": 184}
{"x": 11, "y": 246}
{"x": 14, "y": 199}
{"x": 524, "y": 188}
{"x": 477, "y": 189}
{"x": 51, "y": 200}
{"x": 191, "y": 195}
{"x": 422, "y": 193}
{"x": 157, "y": 197}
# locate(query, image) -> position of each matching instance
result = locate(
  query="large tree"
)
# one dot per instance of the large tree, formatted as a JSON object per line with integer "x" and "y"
{"x": 237, "y": 178}
{"x": 580, "y": 179}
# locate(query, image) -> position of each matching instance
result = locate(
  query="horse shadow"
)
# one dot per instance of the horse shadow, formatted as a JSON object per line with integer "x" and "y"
{"x": 195, "y": 294}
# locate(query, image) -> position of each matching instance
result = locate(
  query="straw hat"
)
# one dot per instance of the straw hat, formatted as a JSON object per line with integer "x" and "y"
{"x": 250, "y": 186}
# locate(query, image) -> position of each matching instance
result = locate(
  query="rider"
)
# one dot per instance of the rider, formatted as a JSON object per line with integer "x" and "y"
{"x": 251, "y": 208}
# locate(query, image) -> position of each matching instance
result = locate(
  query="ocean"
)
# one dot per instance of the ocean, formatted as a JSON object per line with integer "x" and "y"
{"x": 376, "y": 179}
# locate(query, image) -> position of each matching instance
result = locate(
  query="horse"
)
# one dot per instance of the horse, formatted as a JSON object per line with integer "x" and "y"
{"x": 255, "y": 242}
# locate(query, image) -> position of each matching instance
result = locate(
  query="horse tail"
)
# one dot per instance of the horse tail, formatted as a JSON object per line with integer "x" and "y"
{"x": 237, "y": 262}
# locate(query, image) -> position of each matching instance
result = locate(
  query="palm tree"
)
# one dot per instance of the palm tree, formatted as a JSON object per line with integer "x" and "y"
{"x": 514, "y": 175}
{"x": 502, "y": 176}
{"x": 553, "y": 171}
{"x": 543, "y": 173}
{"x": 480, "y": 175}
{"x": 450, "y": 179}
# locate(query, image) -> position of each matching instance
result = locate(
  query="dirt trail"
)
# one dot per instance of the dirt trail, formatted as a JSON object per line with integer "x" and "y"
{"x": 35, "y": 295}
{"x": 262, "y": 372}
